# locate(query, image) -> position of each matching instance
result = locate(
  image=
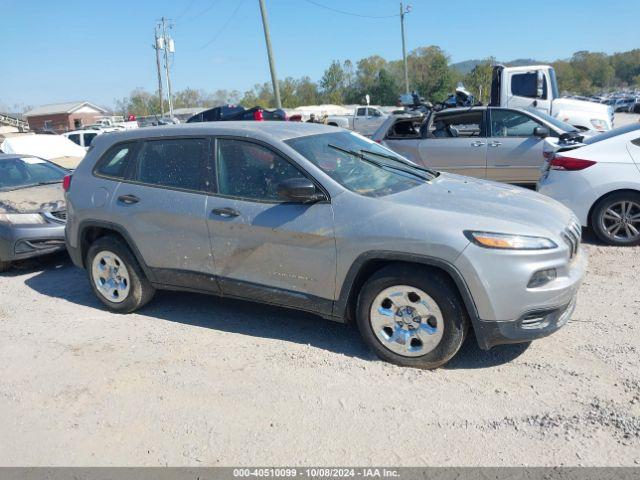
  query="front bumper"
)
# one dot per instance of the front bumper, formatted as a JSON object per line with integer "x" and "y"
{"x": 531, "y": 326}
{"x": 18, "y": 242}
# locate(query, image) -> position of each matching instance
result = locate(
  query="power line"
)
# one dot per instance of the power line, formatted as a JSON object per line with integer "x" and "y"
{"x": 219, "y": 32}
{"x": 312, "y": 2}
{"x": 190, "y": 4}
{"x": 199, "y": 15}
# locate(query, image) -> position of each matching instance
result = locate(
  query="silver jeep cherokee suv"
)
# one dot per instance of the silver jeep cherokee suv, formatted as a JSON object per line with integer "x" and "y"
{"x": 324, "y": 220}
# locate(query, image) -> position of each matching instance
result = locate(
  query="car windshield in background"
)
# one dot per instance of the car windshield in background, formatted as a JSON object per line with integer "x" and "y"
{"x": 23, "y": 172}
{"x": 565, "y": 127}
{"x": 613, "y": 133}
{"x": 359, "y": 164}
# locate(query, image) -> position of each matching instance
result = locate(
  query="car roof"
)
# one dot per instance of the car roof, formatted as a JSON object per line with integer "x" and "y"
{"x": 279, "y": 130}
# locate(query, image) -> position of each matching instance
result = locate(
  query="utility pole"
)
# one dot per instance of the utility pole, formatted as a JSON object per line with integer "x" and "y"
{"x": 157, "y": 45}
{"x": 403, "y": 12}
{"x": 272, "y": 65}
{"x": 168, "y": 47}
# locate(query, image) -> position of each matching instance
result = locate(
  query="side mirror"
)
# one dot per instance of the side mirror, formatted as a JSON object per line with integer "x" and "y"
{"x": 541, "y": 132}
{"x": 300, "y": 190}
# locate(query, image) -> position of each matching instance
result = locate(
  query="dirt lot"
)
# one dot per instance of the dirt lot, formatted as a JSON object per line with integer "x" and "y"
{"x": 193, "y": 380}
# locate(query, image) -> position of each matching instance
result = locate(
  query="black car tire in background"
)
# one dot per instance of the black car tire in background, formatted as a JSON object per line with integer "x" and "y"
{"x": 4, "y": 266}
{"x": 599, "y": 221}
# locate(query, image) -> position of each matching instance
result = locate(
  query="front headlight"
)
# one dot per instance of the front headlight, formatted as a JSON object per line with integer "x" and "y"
{"x": 22, "y": 218}
{"x": 598, "y": 124}
{"x": 506, "y": 241}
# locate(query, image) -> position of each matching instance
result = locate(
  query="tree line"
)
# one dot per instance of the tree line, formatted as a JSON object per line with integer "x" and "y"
{"x": 430, "y": 74}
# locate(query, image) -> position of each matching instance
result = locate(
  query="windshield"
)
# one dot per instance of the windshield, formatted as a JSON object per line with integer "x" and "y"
{"x": 565, "y": 127}
{"x": 613, "y": 133}
{"x": 358, "y": 163}
{"x": 22, "y": 172}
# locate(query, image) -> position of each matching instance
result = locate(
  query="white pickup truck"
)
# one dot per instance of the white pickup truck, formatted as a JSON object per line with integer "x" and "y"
{"x": 364, "y": 120}
{"x": 536, "y": 86}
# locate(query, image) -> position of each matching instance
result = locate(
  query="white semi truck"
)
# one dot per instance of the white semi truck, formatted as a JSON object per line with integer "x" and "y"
{"x": 536, "y": 86}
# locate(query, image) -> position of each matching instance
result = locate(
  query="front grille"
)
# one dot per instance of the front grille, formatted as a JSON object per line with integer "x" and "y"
{"x": 571, "y": 236}
{"x": 59, "y": 216}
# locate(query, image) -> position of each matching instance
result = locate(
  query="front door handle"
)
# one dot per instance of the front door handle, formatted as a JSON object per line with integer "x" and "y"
{"x": 128, "y": 199}
{"x": 495, "y": 144}
{"x": 225, "y": 212}
{"x": 478, "y": 144}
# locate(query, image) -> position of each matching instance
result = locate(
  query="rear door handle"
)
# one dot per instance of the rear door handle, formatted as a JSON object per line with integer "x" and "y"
{"x": 128, "y": 199}
{"x": 495, "y": 144}
{"x": 225, "y": 212}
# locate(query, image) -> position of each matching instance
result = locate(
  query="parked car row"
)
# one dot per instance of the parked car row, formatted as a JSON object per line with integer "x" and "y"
{"x": 322, "y": 219}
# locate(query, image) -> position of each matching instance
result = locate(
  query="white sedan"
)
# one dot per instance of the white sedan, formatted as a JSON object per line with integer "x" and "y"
{"x": 599, "y": 180}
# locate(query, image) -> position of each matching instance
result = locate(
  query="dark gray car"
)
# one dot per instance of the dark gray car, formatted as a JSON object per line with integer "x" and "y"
{"x": 32, "y": 208}
{"x": 322, "y": 219}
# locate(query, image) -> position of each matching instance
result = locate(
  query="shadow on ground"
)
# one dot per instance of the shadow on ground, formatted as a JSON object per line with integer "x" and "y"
{"x": 59, "y": 279}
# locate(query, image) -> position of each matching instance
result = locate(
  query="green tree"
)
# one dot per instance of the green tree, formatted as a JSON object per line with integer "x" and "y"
{"x": 429, "y": 73}
{"x": 334, "y": 83}
{"x": 478, "y": 80}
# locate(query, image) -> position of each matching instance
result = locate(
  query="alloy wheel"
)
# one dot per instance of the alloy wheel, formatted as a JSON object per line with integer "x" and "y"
{"x": 621, "y": 221}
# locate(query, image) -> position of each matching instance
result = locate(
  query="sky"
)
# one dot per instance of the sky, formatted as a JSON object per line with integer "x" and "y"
{"x": 66, "y": 50}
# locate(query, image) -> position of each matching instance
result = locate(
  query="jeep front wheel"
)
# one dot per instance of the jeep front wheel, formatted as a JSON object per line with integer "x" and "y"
{"x": 412, "y": 317}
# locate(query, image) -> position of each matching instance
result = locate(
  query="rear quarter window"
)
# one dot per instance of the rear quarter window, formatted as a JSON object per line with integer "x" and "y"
{"x": 114, "y": 163}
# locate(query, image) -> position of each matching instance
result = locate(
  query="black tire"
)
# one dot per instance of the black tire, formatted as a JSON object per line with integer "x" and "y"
{"x": 597, "y": 220}
{"x": 140, "y": 289}
{"x": 445, "y": 294}
{"x": 4, "y": 266}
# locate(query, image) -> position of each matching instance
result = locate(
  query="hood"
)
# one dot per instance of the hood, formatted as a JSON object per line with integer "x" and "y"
{"x": 573, "y": 104}
{"x": 43, "y": 198}
{"x": 488, "y": 206}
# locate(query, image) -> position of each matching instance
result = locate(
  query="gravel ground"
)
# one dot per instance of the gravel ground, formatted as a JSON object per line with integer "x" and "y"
{"x": 195, "y": 380}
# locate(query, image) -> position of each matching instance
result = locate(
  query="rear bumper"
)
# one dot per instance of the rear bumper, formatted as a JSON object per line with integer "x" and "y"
{"x": 21, "y": 242}
{"x": 530, "y": 326}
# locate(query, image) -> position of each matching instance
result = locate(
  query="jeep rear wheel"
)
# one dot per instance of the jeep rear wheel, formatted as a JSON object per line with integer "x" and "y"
{"x": 116, "y": 277}
{"x": 412, "y": 317}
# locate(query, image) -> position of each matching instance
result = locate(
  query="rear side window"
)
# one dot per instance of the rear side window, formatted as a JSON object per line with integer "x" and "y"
{"x": 176, "y": 163}
{"x": 88, "y": 138}
{"x": 464, "y": 124}
{"x": 114, "y": 162}
{"x": 75, "y": 138}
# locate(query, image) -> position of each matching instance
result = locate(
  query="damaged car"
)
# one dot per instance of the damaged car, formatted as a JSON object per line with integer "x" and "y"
{"x": 32, "y": 208}
{"x": 324, "y": 220}
{"x": 501, "y": 144}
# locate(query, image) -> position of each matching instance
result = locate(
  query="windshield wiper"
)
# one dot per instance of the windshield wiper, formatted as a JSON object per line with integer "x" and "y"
{"x": 383, "y": 166}
{"x": 403, "y": 162}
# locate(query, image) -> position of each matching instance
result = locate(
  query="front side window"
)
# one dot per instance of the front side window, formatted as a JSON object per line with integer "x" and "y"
{"x": 251, "y": 171}
{"x": 464, "y": 124}
{"x": 114, "y": 162}
{"x": 526, "y": 85}
{"x": 175, "y": 163}
{"x": 507, "y": 123}
{"x": 368, "y": 176}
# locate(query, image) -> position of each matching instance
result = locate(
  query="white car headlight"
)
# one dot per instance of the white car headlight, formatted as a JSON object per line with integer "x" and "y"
{"x": 505, "y": 241}
{"x": 22, "y": 218}
{"x": 598, "y": 124}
